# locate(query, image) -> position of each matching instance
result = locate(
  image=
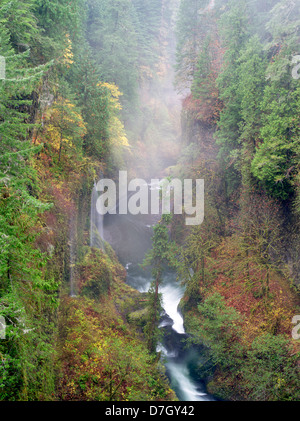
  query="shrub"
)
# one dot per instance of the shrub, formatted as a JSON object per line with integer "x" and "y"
{"x": 95, "y": 275}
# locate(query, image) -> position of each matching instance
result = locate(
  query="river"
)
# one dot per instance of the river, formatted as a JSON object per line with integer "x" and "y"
{"x": 130, "y": 236}
{"x": 180, "y": 362}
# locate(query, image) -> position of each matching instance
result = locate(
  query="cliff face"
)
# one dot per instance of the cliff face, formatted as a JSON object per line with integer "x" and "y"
{"x": 199, "y": 148}
{"x": 238, "y": 303}
{"x": 92, "y": 323}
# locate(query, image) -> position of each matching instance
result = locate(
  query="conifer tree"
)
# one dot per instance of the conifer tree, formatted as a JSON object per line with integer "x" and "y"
{"x": 113, "y": 38}
{"x": 190, "y": 34}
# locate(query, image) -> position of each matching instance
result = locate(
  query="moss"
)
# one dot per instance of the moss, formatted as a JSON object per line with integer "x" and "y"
{"x": 95, "y": 274}
{"x": 96, "y": 344}
{"x": 138, "y": 317}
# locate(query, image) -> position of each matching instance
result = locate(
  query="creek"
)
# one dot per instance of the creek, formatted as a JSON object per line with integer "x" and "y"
{"x": 180, "y": 362}
{"x": 130, "y": 236}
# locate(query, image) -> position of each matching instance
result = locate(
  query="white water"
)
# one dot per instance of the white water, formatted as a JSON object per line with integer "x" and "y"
{"x": 186, "y": 388}
{"x": 96, "y": 221}
{"x": 180, "y": 380}
{"x": 165, "y": 352}
{"x": 73, "y": 252}
{"x": 177, "y": 366}
{"x": 171, "y": 296}
{"x": 72, "y": 246}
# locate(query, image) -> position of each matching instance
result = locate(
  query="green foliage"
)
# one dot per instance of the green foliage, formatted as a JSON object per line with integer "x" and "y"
{"x": 99, "y": 47}
{"x": 148, "y": 16}
{"x": 27, "y": 299}
{"x": 235, "y": 32}
{"x": 154, "y": 308}
{"x": 190, "y": 34}
{"x": 57, "y": 18}
{"x": 94, "y": 101}
{"x": 283, "y": 24}
{"x": 17, "y": 18}
{"x": 219, "y": 331}
{"x": 202, "y": 85}
{"x": 112, "y": 35}
{"x": 258, "y": 126}
{"x": 251, "y": 88}
{"x": 194, "y": 267}
{"x": 276, "y": 159}
{"x": 103, "y": 360}
{"x": 266, "y": 368}
{"x": 28, "y": 295}
{"x": 162, "y": 250}
{"x": 257, "y": 130}
{"x": 96, "y": 275}
{"x": 271, "y": 371}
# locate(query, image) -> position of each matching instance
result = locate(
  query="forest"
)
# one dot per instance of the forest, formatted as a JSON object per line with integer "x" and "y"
{"x": 147, "y": 307}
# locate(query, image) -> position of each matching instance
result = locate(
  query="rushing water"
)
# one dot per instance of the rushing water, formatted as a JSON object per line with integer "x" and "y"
{"x": 72, "y": 247}
{"x": 178, "y": 360}
{"x": 96, "y": 221}
{"x": 131, "y": 237}
{"x": 171, "y": 296}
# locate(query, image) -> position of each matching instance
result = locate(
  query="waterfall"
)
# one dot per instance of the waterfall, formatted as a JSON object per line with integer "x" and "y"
{"x": 96, "y": 222}
{"x": 172, "y": 295}
{"x": 178, "y": 359}
{"x": 72, "y": 248}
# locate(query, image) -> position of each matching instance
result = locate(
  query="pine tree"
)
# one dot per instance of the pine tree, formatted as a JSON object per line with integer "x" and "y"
{"x": 190, "y": 33}
{"x": 113, "y": 38}
{"x": 276, "y": 159}
{"x": 148, "y": 19}
{"x": 251, "y": 88}
{"x": 21, "y": 262}
{"x": 234, "y": 33}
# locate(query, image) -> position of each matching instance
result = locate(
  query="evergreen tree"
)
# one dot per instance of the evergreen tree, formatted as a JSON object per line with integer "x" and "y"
{"x": 204, "y": 87}
{"x": 190, "y": 34}
{"x": 276, "y": 160}
{"x": 57, "y": 18}
{"x": 113, "y": 38}
{"x": 250, "y": 90}
{"x": 234, "y": 32}
{"x": 148, "y": 18}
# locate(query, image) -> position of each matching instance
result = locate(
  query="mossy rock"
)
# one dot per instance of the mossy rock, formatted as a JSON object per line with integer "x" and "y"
{"x": 95, "y": 274}
{"x": 138, "y": 317}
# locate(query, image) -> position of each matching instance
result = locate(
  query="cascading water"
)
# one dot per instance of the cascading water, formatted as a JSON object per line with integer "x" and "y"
{"x": 176, "y": 358}
{"x": 96, "y": 222}
{"x": 72, "y": 248}
{"x": 134, "y": 240}
{"x": 130, "y": 236}
{"x": 172, "y": 294}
